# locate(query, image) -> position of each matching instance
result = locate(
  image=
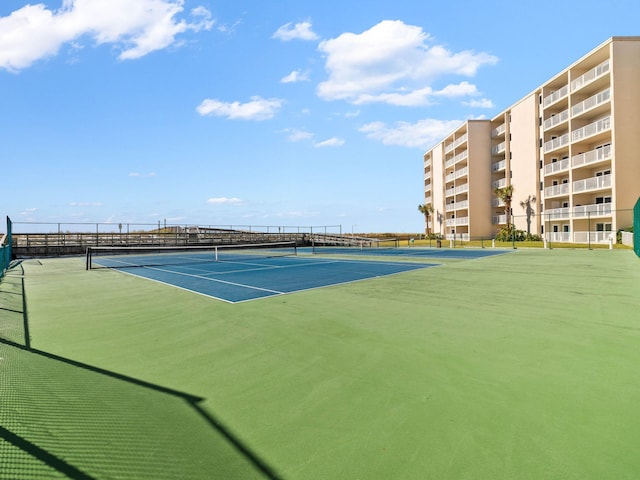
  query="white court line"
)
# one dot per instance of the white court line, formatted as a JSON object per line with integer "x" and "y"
{"x": 216, "y": 280}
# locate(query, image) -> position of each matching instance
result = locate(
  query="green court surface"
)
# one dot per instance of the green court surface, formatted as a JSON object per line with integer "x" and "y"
{"x": 520, "y": 366}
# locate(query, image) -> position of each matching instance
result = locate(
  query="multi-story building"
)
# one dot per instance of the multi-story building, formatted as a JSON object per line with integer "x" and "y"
{"x": 570, "y": 149}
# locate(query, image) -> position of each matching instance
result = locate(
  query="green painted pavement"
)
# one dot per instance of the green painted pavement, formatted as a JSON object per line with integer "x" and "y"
{"x": 516, "y": 366}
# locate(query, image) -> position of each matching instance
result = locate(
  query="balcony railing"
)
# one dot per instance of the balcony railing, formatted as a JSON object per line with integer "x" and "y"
{"x": 594, "y": 210}
{"x": 590, "y": 76}
{"x": 499, "y": 219}
{"x": 496, "y": 149}
{"x": 452, "y": 161}
{"x": 556, "y": 143}
{"x": 582, "y": 211}
{"x": 457, "y": 174}
{"x": 555, "y": 96}
{"x": 556, "y": 190}
{"x": 499, "y": 130}
{"x": 497, "y": 202}
{"x": 459, "y": 189}
{"x": 455, "y": 143}
{"x": 556, "y": 167}
{"x": 593, "y": 183}
{"x": 497, "y": 166}
{"x": 591, "y": 102}
{"x": 456, "y": 206}
{"x": 593, "y": 156}
{"x": 499, "y": 183}
{"x": 555, "y": 120}
{"x": 591, "y": 129}
{"x": 452, "y": 222}
{"x": 557, "y": 213}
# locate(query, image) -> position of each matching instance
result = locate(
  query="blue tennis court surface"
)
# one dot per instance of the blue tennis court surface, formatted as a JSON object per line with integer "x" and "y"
{"x": 242, "y": 280}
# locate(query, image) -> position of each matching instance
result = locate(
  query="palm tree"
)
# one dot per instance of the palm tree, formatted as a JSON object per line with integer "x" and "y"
{"x": 506, "y": 195}
{"x": 426, "y": 210}
{"x": 526, "y": 205}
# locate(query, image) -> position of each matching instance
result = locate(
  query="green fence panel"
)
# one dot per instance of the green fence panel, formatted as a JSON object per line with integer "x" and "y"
{"x": 5, "y": 250}
{"x": 636, "y": 228}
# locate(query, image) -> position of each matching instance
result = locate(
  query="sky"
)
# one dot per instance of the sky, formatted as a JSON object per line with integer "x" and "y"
{"x": 292, "y": 113}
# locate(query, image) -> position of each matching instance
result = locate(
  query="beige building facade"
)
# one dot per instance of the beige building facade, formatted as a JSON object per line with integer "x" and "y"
{"x": 570, "y": 149}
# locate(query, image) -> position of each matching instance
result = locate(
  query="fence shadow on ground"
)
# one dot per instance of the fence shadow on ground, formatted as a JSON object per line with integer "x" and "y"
{"x": 60, "y": 418}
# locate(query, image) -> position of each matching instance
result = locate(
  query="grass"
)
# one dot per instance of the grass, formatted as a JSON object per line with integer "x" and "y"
{"x": 516, "y": 366}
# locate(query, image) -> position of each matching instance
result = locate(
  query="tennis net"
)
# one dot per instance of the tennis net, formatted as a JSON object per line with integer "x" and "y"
{"x": 147, "y": 256}
{"x": 347, "y": 244}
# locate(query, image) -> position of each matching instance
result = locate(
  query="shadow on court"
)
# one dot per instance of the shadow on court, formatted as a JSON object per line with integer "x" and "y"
{"x": 64, "y": 419}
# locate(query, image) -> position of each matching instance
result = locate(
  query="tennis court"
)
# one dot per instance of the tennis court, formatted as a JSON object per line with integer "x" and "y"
{"x": 519, "y": 366}
{"x": 244, "y": 273}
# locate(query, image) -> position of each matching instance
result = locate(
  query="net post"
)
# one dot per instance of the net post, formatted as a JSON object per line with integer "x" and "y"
{"x": 88, "y": 260}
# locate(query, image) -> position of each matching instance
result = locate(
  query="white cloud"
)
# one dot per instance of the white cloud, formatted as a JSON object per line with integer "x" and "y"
{"x": 393, "y": 63}
{"x": 482, "y": 103}
{"x": 299, "y": 31}
{"x": 295, "y": 135}
{"x": 143, "y": 175}
{"x": 138, "y": 28}
{"x": 295, "y": 76}
{"x": 461, "y": 89}
{"x": 331, "y": 142}
{"x": 224, "y": 201}
{"x": 422, "y": 134}
{"x": 256, "y": 109}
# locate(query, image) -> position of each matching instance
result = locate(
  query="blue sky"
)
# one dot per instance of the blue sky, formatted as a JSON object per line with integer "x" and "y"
{"x": 260, "y": 112}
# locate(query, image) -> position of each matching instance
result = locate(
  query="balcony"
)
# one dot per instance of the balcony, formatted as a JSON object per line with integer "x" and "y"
{"x": 497, "y": 202}
{"x": 556, "y": 167}
{"x": 591, "y": 129}
{"x": 499, "y": 166}
{"x": 557, "y": 214}
{"x": 591, "y": 102}
{"x": 555, "y": 96}
{"x": 594, "y": 156}
{"x": 556, "y": 143}
{"x": 461, "y": 188}
{"x": 593, "y": 183}
{"x": 556, "y": 120}
{"x": 457, "y": 190}
{"x": 427, "y": 174}
{"x": 457, "y": 142}
{"x": 452, "y": 222}
{"x": 590, "y": 76}
{"x": 499, "y": 183}
{"x": 452, "y": 161}
{"x": 499, "y": 220}
{"x": 456, "y": 206}
{"x": 457, "y": 174}
{"x": 594, "y": 210}
{"x": 498, "y": 149}
{"x": 499, "y": 131}
{"x": 556, "y": 191}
